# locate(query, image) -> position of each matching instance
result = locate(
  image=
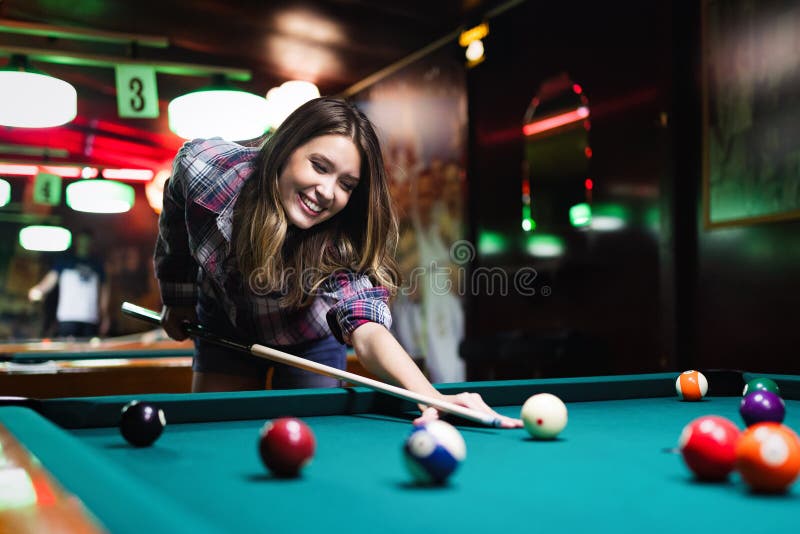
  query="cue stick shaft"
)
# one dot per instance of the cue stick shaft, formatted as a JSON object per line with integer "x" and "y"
{"x": 275, "y": 355}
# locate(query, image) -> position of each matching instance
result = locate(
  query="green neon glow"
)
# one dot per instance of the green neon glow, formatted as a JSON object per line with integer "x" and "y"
{"x": 491, "y": 243}
{"x": 545, "y": 246}
{"x": 580, "y": 215}
{"x": 608, "y": 217}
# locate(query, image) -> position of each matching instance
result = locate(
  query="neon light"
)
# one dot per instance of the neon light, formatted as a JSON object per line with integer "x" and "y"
{"x": 588, "y": 184}
{"x": 131, "y": 175}
{"x": 588, "y": 152}
{"x": 64, "y": 172}
{"x": 577, "y": 88}
{"x": 18, "y": 170}
{"x": 45, "y": 238}
{"x": 550, "y": 123}
{"x": 5, "y": 192}
{"x": 134, "y": 175}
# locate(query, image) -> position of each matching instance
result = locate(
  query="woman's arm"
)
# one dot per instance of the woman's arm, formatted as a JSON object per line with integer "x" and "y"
{"x": 175, "y": 268}
{"x": 381, "y": 354}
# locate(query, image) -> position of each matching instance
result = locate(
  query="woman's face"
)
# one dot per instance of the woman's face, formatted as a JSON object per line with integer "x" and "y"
{"x": 318, "y": 179}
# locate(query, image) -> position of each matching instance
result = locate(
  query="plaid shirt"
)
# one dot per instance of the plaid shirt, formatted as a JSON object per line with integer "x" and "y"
{"x": 195, "y": 266}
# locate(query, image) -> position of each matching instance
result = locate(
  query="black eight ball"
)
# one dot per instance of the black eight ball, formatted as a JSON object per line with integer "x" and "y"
{"x": 141, "y": 423}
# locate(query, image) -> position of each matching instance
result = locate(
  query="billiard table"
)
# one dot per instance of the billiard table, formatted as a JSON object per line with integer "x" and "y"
{"x": 614, "y": 467}
{"x": 144, "y": 363}
{"x": 123, "y": 365}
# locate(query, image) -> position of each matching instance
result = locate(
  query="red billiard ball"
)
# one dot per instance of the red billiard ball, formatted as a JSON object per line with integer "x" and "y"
{"x": 708, "y": 446}
{"x": 768, "y": 457}
{"x": 286, "y": 445}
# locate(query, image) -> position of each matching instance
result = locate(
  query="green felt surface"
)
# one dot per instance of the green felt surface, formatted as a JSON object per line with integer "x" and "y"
{"x": 612, "y": 470}
{"x": 609, "y": 472}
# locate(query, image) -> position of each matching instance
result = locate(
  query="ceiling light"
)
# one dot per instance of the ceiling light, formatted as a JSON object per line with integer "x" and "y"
{"x": 288, "y": 97}
{"x": 219, "y": 110}
{"x": 100, "y": 196}
{"x": 32, "y": 99}
{"x": 475, "y": 51}
{"x": 45, "y": 238}
{"x": 5, "y": 192}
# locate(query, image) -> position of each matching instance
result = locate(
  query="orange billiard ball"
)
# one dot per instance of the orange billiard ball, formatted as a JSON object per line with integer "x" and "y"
{"x": 691, "y": 385}
{"x": 768, "y": 457}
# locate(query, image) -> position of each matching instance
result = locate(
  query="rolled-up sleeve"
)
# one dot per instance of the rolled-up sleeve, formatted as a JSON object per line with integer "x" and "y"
{"x": 356, "y": 301}
{"x": 175, "y": 267}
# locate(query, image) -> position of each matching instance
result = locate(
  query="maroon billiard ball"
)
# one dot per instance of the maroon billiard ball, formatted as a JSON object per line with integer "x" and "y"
{"x": 708, "y": 446}
{"x": 286, "y": 445}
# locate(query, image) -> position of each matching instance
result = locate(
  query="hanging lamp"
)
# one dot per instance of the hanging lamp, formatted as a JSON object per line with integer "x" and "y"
{"x": 286, "y": 98}
{"x": 219, "y": 110}
{"x": 5, "y": 192}
{"x": 45, "y": 238}
{"x": 100, "y": 196}
{"x": 32, "y": 99}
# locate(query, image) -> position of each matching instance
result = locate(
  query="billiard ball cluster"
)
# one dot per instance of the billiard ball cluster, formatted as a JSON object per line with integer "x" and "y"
{"x": 766, "y": 454}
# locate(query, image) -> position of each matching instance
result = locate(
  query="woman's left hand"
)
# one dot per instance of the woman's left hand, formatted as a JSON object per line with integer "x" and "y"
{"x": 468, "y": 400}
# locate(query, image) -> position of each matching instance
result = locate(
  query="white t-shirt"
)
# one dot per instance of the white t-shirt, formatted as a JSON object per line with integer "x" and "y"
{"x": 78, "y": 290}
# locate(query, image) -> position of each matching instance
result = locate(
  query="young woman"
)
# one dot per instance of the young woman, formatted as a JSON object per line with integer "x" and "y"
{"x": 289, "y": 245}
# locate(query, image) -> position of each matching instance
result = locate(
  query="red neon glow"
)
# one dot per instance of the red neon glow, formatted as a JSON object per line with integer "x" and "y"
{"x": 577, "y": 88}
{"x": 588, "y": 152}
{"x": 550, "y": 123}
{"x": 18, "y": 170}
{"x": 45, "y": 492}
{"x": 134, "y": 175}
{"x": 64, "y": 172}
{"x": 526, "y": 187}
{"x": 588, "y": 184}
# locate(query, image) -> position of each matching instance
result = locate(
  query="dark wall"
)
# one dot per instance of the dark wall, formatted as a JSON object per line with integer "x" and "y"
{"x": 738, "y": 288}
{"x": 610, "y": 301}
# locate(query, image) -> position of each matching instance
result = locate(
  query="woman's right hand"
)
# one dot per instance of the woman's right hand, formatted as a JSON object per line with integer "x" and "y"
{"x": 173, "y": 319}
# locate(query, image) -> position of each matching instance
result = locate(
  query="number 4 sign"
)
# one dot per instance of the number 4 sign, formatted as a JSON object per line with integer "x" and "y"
{"x": 137, "y": 94}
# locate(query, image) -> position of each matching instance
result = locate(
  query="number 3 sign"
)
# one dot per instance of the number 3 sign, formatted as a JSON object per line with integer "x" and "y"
{"x": 137, "y": 94}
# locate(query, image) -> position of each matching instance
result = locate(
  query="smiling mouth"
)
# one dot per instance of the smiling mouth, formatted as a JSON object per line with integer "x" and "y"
{"x": 311, "y": 207}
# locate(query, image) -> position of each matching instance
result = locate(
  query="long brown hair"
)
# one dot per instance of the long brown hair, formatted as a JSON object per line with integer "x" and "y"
{"x": 361, "y": 238}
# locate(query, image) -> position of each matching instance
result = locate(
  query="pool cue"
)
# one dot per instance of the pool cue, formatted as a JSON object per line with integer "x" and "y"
{"x": 268, "y": 353}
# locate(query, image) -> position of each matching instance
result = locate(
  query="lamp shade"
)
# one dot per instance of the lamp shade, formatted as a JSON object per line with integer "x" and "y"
{"x": 286, "y": 98}
{"x": 219, "y": 110}
{"x": 100, "y": 196}
{"x": 45, "y": 238}
{"x": 32, "y": 99}
{"x": 5, "y": 192}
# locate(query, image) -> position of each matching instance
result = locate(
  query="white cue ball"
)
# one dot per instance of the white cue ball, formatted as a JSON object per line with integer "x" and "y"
{"x": 544, "y": 416}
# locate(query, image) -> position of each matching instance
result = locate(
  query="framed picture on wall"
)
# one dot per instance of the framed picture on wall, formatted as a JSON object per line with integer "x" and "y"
{"x": 751, "y": 111}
